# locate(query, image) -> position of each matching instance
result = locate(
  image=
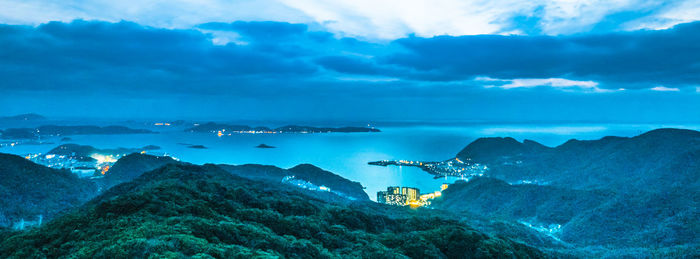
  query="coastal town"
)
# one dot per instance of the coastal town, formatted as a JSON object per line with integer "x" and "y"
{"x": 454, "y": 167}
{"x": 94, "y": 165}
{"x": 86, "y": 161}
{"x": 228, "y": 130}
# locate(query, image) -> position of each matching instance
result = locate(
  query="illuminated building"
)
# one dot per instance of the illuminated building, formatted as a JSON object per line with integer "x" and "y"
{"x": 394, "y": 190}
{"x": 392, "y": 196}
{"x": 408, "y": 196}
{"x": 411, "y": 193}
{"x": 444, "y": 186}
{"x": 395, "y": 199}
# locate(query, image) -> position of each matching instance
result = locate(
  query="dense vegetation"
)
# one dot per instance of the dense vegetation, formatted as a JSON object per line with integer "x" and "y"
{"x": 495, "y": 198}
{"x": 28, "y": 190}
{"x": 203, "y": 211}
{"x": 587, "y": 217}
{"x": 638, "y": 194}
{"x": 305, "y": 172}
{"x": 132, "y": 166}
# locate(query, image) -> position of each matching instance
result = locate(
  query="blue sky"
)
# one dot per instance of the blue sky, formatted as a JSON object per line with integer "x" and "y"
{"x": 500, "y": 61}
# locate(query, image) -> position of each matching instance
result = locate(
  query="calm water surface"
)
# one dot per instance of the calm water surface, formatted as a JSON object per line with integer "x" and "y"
{"x": 348, "y": 154}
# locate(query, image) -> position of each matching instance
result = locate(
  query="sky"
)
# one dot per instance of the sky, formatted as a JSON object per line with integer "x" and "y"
{"x": 624, "y": 61}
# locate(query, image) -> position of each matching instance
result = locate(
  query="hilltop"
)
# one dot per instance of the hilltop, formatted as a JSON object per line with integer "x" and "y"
{"x": 132, "y": 166}
{"x": 660, "y": 159}
{"x": 203, "y": 211}
{"x": 305, "y": 176}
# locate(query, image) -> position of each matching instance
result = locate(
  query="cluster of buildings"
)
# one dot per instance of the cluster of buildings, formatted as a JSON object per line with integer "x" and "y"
{"x": 252, "y": 131}
{"x": 96, "y": 164}
{"x": 453, "y": 167}
{"x": 408, "y": 196}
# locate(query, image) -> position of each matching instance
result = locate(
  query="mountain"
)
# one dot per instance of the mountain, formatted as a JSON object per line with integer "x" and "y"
{"x": 497, "y": 199}
{"x": 638, "y": 193}
{"x": 132, "y": 166}
{"x": 29, "y": 191}
{"x": 651, "y": 160}
{"x": 304, "y": 173}
{"x": 183, "y": 211}
{"x": 318, "y": 176}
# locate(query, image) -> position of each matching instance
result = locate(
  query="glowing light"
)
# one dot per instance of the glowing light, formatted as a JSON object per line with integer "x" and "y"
{"x": 105, "y": 169}
{"x": 103, "y": 159}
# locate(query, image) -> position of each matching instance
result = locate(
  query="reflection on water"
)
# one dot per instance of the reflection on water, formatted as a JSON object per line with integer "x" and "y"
{"x": 347, "y": 154}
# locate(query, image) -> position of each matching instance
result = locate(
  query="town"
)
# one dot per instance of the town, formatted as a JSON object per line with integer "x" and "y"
{"x": 454, "y": 167}
{"x": 93, "y": 166}
{"x": 86, "y": 161}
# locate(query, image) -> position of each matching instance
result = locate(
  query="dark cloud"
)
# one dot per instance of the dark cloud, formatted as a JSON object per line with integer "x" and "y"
{"x": 641, "y": 57}
{"x": 288, "y": 70}
{"x": 96, "y": 52}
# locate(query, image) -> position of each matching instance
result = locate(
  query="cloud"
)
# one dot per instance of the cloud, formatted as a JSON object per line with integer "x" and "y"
{"x": 666, "y": 16}
{"x": 615, "y": 60}
{"x": 91, "y": 54}
{"x": 664, "y": 89}
{"x": 557, "y": 83}
{"x": 374, "y": 20}
{"x": 128, "y": 55}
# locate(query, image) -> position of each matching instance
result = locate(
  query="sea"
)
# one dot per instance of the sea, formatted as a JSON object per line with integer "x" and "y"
{"x": 347, "y": 154}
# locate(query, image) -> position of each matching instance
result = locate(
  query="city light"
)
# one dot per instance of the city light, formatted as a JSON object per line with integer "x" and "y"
{"x": 103, "y": 159}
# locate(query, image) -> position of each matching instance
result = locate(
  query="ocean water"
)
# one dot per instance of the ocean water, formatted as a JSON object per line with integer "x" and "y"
{"x": 347, "y": 154}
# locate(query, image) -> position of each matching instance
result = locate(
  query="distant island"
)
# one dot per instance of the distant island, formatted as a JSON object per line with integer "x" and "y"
{"x": 23, "y": 117}
{"x": 197, "y": 146}
{"x": 54, "y": 130}
{"x": 264, "y": 146}
{"x": 227, "y": 129}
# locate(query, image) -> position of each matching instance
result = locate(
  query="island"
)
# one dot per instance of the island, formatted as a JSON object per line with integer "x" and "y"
{"x": 264, "y": 146}
{"x": 55, "y": 130}
{"x": 23, "y": 117}
{"x": 197, "y": 146}
{"x": 227, "y": 129}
